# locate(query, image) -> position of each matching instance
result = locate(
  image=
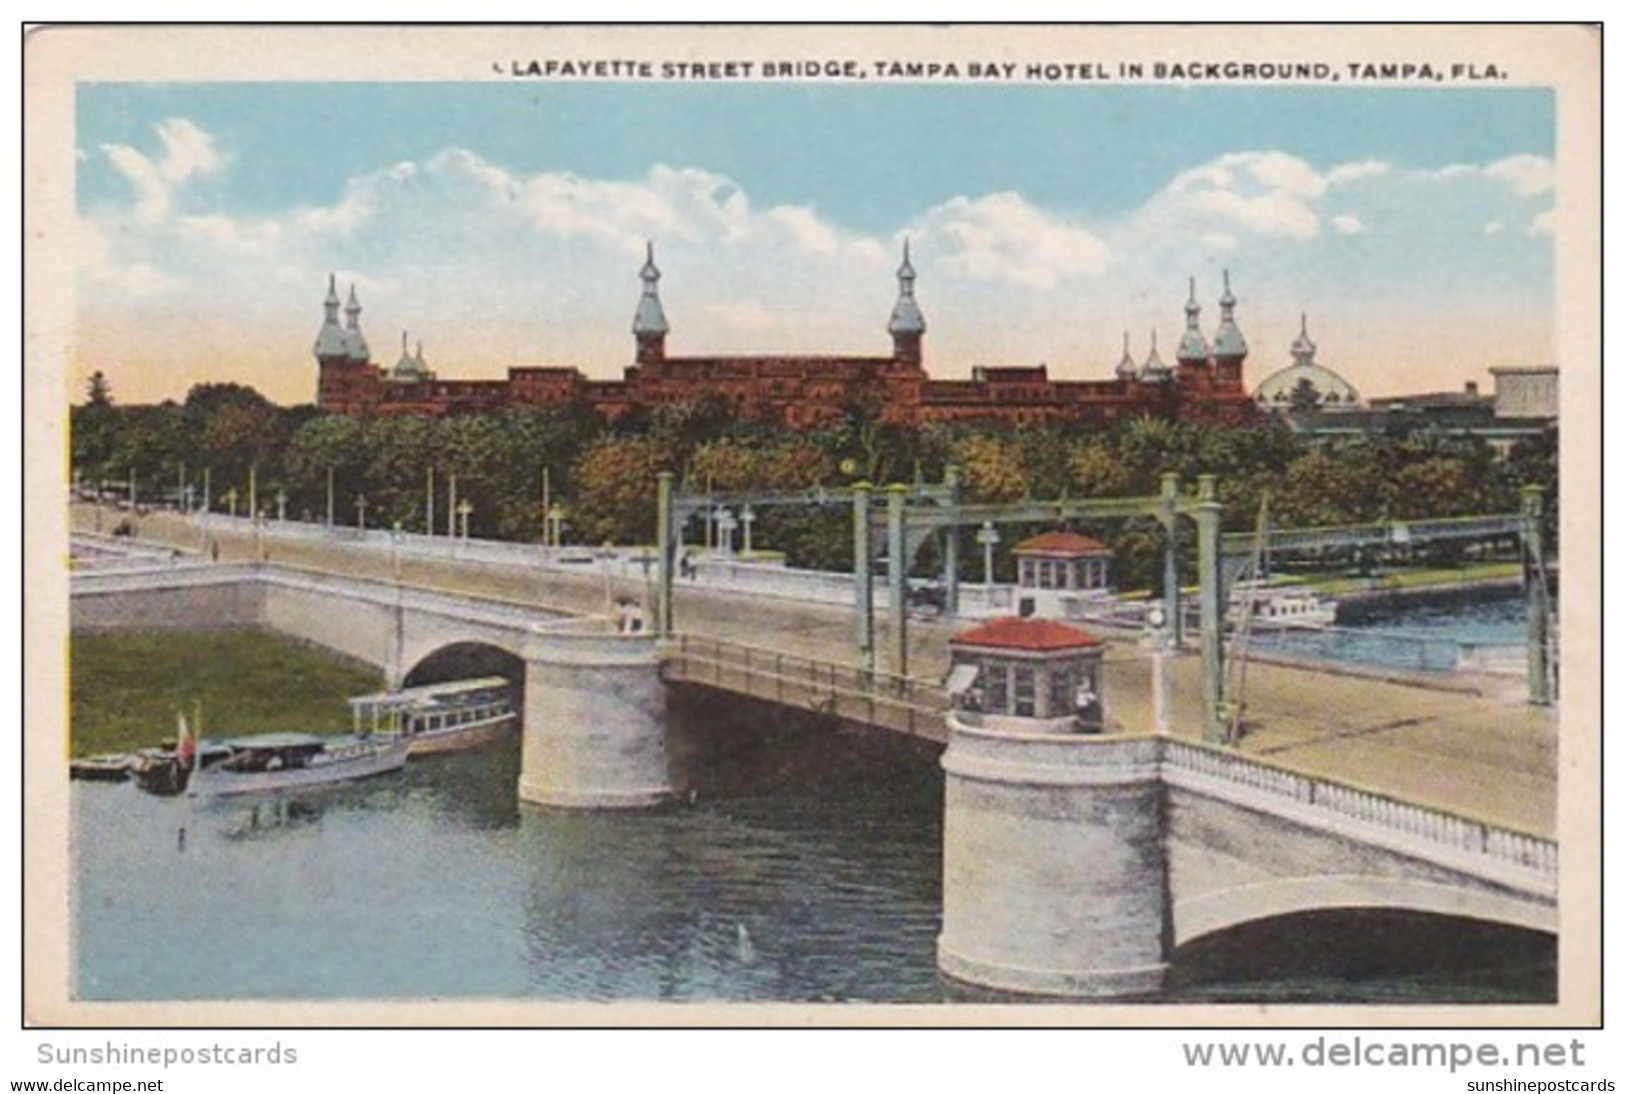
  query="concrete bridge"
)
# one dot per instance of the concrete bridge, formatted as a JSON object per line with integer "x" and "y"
{"x": 1164, "y": 840}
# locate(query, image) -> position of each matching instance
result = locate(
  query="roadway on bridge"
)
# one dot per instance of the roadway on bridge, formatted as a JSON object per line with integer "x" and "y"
{"x": 1469, "y": 745}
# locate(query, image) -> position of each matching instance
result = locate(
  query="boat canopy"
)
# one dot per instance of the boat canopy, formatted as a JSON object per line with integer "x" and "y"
{"x": 279, "y": 742}
{"x": 384, "y": 702}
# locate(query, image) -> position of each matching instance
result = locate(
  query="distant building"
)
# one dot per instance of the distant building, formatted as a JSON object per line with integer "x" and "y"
{"x": 1057, "y": 569}
{"x": 1304, "y": 385}
{"x": 1204, "y": 384}
{"x": 1523, "y": 407}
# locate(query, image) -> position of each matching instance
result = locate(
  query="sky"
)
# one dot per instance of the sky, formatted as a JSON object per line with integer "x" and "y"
{"x": 504, "y": 224}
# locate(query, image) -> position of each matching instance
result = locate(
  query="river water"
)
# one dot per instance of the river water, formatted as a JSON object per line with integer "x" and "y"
{"x": 1431, "y": 634}
{"x": 805, "y": 869}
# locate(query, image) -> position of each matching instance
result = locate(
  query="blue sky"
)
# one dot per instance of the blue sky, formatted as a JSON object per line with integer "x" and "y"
{"x": 502, "y": 223}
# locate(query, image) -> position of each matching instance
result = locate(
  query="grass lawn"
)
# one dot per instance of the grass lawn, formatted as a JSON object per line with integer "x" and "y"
{"x": 1421, "y": 579}
{"x": 125, "y": 689}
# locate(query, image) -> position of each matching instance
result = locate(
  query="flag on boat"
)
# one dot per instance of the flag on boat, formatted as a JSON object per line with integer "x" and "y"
{"x": 185, "y": 746}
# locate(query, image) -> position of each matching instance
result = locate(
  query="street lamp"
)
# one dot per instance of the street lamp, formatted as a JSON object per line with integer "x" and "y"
{"x": 1157, "y": 635}
{"x": 988, "y": 537}
{"x": 361, "y": 512}
{"x": 606, "y": 556}
{"x": 463, "y": 509}
{"x": 281, "y": 505}
{"x": 725, "y": 530}
{"x": 747, "y": 517}
{"x": 231, "y": 502}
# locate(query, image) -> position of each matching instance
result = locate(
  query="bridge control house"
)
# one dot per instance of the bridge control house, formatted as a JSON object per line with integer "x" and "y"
{"x": 1057, "y": 569}
{"x": 1028, "y": 675}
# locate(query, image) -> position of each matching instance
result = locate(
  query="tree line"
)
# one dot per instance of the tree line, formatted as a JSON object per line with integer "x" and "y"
{"x": 603, "y": 475}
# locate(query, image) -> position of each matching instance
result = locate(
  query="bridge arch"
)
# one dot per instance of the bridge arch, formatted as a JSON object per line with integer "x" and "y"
{"x": 1201, "y": 916}
{"x": 465, "y": 660}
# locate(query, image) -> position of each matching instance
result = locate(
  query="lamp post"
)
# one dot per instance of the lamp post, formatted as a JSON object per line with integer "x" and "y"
{"x": 281, "y": 505}
{"x": 463, "y": 510}
{"x": 186, "y": 498}
{"x": 606, "y": 557}
{"x": 988, "y": 537}
{"x": 361, "y": 512}
{"x": 725, "y": 530}
{"x": 547, "y": 500}
{"x": 747, "y": 517}
{"x": 398, "y": 651}
{"x": 231, "y": 502}
{"x": 1157, "y": 634}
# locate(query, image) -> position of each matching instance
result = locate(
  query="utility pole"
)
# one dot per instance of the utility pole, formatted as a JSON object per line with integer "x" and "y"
{"x": 863, "y": 576}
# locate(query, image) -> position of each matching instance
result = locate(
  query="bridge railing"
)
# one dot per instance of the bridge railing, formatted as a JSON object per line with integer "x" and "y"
{"x": 896, "y": 702}
{"x": 1416, "y": 822}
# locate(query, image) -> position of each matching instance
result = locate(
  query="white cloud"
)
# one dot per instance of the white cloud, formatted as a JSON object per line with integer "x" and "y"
{"x": 1527, "y": 175}
{"x": 188, "y": 150}
{"x": 151, "y": 190}
{"x": 1494, "y": 228}
{"x": 1258, "y": 193}
{"x": 1356, "y": 172}
{"x": 1544, "y": 224}
{"x": 1345, "y": 225}
{"x": 1005, "y": 238}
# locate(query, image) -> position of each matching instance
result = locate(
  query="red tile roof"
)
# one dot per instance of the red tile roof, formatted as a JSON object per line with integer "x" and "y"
{"x": 1031, "y": 635}
{"x": 1062, "y": 543}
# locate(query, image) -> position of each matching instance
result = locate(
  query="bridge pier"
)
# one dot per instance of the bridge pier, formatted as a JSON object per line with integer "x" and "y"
{"x": 1055, "y": 878}
{"x": 594, "y": 733}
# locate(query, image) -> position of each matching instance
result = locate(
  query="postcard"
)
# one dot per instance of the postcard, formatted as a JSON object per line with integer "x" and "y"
{"x": 887, "y": 525}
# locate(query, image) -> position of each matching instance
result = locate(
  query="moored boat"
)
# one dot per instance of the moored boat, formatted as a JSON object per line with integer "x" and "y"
{"x": 440, "y": 717}
{"x": 290, "y": 761}
{"x": 104, "y": 769}
{"x": 1281, "y": 607}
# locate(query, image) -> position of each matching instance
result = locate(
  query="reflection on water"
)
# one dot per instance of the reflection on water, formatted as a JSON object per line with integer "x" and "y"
{"x": 806, "y": 866}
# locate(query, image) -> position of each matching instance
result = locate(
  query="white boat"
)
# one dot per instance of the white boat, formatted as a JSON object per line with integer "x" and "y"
{"x": 440, "y": 717}
{"x": 271, "y": 762}
{"x": 1280, "y": 607}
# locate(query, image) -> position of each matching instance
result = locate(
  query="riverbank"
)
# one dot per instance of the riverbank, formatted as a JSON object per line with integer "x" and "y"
{"x": 125, "y": 690}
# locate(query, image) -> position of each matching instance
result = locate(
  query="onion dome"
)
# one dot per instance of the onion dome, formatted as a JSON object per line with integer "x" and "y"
{"x": 1192, "y": 347}
{"x": 1154, "y": 369}
{"x": 1126, "y": 368}
{"x": 331, "y": 343}
{"x": 651, "y": 317}
{"x": 1228, "y": 340}
{"x": 1290, "y": 388}
{"x": 1303, "y": 348}
{"x": 408, "y": 367}
{"x": 905, "y": 315}
{"x": 359, "y": 353}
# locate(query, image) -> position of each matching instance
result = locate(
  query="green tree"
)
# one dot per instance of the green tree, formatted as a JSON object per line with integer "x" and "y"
{"x": 615, "y": 486}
